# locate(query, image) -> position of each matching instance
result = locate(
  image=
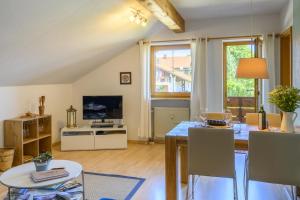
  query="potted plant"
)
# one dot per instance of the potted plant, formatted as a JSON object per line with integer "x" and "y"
{"x": 42, "y": 161}
{"x": 287, "y": 99}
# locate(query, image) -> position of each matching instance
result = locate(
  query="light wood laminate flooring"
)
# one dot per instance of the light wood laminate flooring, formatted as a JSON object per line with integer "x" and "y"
{"x": 147, "y": 161}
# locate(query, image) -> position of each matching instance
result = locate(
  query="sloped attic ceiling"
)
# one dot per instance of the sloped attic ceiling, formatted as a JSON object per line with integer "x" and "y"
{"x": 204, "y": 9}
{"x": 57, "y": 41}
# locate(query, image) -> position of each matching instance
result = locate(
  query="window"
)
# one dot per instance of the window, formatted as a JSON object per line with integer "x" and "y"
{"x": 171, "y": 71}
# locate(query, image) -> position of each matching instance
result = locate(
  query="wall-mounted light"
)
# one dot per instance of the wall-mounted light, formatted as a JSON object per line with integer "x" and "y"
{"x": 137, "y": 17}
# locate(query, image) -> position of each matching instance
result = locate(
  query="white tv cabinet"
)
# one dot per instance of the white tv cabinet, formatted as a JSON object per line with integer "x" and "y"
{"x": 87, "y": 138}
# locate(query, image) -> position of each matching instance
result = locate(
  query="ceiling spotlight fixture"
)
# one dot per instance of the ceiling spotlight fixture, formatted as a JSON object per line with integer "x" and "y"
{"x": 137, "y": 17}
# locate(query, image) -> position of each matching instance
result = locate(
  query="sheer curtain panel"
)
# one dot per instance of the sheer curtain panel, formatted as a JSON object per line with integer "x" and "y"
{"x": 270, "y": 53}
{"x": 199, "y": 65}
{"x": 145, "y": 113}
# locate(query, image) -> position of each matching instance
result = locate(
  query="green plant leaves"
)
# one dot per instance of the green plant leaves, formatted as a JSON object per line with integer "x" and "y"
{"x": 287, "y": 99}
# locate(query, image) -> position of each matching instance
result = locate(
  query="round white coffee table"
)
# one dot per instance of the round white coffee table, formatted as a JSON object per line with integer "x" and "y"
{"x": 20, "y": 176}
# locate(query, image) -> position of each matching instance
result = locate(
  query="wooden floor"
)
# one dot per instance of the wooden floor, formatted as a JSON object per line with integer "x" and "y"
{"x": 147, "y": 161}
{"x": 139, "y": 160}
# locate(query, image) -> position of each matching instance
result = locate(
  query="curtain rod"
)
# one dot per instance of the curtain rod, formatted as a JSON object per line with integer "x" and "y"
{"x": 213, "y": 38}
{"x": 177, "y": 40}
{"x": 232, "y": 37}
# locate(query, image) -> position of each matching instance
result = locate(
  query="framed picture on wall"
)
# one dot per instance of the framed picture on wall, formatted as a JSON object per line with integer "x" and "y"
{"x": 125, "y": 78}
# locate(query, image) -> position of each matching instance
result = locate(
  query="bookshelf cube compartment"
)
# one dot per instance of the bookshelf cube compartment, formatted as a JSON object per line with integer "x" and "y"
{"x": 44, "y": 126}
{"x": 29, "y": 130}
{"x": 45, "y": 145}
{"x": 30, "y": 150}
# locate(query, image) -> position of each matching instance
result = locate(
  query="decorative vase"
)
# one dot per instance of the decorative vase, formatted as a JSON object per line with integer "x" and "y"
{"x": 41, "y": 110}
{"x": 287, "y": 122}
{"x": 42, "y": 105}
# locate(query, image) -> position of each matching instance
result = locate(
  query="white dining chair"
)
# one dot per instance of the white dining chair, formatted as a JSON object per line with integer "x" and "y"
{"x": 274, "y": 158}
{"x": 252, "y": 119}
{"x": 274, "y": 119}
{"x": 217, "y": 115}
{"x": 211, "y": 153}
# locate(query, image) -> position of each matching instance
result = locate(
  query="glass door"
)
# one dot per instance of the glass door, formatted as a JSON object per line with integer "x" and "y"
{"x": 240, "y": 95}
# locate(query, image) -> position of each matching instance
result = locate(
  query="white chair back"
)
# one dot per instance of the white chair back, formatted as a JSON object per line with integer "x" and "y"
{"x": 211, "y": 152}
{"x": 252, "y": 119}
{"x": 274, "y": 119}
{"x": 274, "y": 157}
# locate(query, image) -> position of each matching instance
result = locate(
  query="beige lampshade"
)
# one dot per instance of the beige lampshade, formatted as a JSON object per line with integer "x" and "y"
{"x": 252, "y": 68}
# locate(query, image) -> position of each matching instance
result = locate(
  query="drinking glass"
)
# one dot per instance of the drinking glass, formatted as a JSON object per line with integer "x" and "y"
{"x": 228, "y": 116}
{"x": 203, "y": 116}
{"x": 41, "y": 126}
{"x": 25, "y": 130}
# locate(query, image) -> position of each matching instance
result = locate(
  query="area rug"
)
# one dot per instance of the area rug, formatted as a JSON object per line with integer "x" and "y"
{"x": 110, "y": 186}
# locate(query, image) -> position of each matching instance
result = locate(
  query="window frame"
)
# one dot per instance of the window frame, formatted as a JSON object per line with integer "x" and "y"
{"x": 155, "y": 94}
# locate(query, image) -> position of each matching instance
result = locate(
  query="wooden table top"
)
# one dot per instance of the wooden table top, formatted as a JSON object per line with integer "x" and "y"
{"x": 181, "y": 130}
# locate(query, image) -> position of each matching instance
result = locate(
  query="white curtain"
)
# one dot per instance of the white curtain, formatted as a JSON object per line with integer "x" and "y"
{"x": 144, "y": 131}
{"x": 199, "y": 71}
{"x": 215, "y": 76}
{"x": 270, "y": 54}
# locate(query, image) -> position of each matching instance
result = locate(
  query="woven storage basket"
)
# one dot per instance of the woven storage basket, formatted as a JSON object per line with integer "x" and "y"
{"x": 6, "y": 158}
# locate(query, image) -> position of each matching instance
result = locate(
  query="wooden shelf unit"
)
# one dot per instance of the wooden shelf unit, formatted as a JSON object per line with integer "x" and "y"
{"x": 28, "y": 136}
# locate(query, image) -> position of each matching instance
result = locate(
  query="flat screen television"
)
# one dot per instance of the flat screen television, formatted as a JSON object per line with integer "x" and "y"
{"x": 102, "y": 107}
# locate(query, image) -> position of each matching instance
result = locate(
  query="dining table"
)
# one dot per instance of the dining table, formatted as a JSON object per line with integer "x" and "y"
{"x": 176, "y": 151}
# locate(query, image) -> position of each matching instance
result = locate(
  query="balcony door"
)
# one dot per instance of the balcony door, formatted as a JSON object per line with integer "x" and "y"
{"x": 240, "y": 95}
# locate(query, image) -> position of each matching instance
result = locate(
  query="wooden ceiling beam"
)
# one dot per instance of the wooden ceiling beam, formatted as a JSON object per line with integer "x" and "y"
{"x": 166, "y": 13}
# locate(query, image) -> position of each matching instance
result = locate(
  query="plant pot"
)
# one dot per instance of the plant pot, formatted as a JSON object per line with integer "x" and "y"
{"x": 287, "y": 122}
{"x": 42, "y": 166}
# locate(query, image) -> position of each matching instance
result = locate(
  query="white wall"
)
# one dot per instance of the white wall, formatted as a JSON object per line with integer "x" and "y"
{"x": 232, "y": 26}
{"x": 286, "y": 16}
{"x": 105, "y": 81}
{"x": 16, "y": 101}
{"x": 296, "y": 50}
